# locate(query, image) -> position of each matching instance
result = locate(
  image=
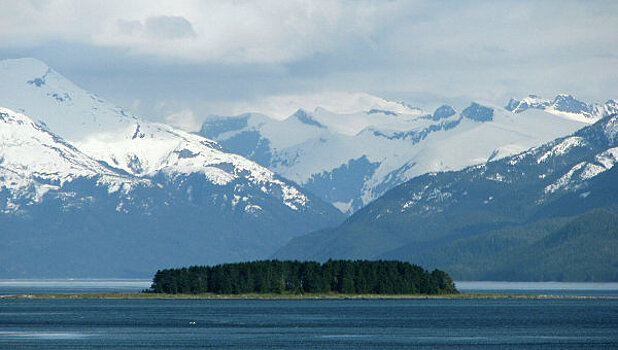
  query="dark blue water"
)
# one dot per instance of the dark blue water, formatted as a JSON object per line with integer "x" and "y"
{"x": 309, "y": 324}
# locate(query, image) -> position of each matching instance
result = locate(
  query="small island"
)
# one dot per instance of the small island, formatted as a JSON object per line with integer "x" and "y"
{"x": 307, "y": 277}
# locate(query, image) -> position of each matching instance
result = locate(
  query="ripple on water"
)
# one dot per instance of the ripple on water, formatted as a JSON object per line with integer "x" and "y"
{"x": 42, "y": 335}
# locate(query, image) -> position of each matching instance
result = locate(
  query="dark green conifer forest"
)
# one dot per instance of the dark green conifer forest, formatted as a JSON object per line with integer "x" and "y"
{"x": 334, "y": 276}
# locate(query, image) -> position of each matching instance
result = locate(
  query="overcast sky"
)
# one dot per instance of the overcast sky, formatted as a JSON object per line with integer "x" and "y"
{"x": 182, "y": 60}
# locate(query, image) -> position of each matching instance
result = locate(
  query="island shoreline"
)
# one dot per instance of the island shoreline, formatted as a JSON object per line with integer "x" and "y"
{"x": 272, "y": 296}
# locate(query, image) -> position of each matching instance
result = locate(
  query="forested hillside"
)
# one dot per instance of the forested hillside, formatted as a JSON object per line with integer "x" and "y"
{"x": 544, "y": 214}
{"x": 581, "y": 248}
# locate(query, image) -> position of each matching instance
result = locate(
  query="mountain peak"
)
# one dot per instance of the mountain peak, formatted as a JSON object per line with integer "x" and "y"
{"x": 30, "y": 86}
{"x": 478, "y": 112}
{"x": 28, "y": 64}
{"x": 564, "y": 105}
{"x": 107, "y": 133}
{"x": 531, "y": 101}
{"x": 442, "y": 112}
{"x": 568, "y": 103}
{"x": 302, "y": 116}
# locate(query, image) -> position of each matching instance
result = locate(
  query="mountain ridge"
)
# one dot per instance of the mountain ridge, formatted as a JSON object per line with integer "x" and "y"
{"x": 566, "y": 177}
{"x": 397, "y": 144}
{"x": 81, "y": 166}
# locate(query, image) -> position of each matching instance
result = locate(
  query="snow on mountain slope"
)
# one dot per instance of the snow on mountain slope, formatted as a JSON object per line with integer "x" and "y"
{"x": 475, "y": 143}
{"x": 349, "y": 159}
{"x": 89, "y": 190}
{"x": 558, "y": 179}
{"x": 34, "y": 161}
{"x": 566, "y": 106}
{"x": 123, "y": 141}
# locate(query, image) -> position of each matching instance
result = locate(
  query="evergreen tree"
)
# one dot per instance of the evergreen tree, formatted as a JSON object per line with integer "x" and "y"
{"x": 273, "y": 276}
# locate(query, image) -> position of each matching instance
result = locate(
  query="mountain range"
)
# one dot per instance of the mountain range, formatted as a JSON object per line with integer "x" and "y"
{"x": 350, "y": 159}
{"x": 87, "y": 189}
{"x": 84, "y": 183}
{"x": 549, "y": 213}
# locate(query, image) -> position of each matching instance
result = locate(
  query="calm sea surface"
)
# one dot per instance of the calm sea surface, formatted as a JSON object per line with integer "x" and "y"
{"x": 310, "y": 324}
{"x": 545, "y": 288}
{"x": 50, "y": 286}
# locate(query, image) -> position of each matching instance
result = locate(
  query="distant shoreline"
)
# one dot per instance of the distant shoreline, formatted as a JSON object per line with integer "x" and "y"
{"x": 255, "y": 296}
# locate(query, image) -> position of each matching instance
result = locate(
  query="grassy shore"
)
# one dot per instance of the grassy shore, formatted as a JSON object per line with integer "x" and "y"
{"x": 291, "y": 296}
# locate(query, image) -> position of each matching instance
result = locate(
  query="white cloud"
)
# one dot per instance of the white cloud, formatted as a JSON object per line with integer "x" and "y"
{"x": 211, "y": 53}
{"x": 184, "y": 120}
{"x": 282, "y": 106}
{"x": 202, "y": 31}
{"x": 169, "y": 27}
{"x": 272, "y": 31}
{"x": 160, "y": 27}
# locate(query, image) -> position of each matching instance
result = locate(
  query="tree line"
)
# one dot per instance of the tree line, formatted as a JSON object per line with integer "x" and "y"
{"x": 274, "y": 276}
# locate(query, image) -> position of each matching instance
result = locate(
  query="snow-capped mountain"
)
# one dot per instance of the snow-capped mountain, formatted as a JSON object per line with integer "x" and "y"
{"x": 550, "y": 212}
{"x": 34, "y": 161}
{"x": 72, "y": 164}
{"x": 123, "y": 141}
{"x": 349, "y": 159}
{"x": 564, "y": 105}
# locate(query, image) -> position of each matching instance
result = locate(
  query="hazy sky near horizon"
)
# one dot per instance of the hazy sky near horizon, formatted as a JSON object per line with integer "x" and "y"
{"x": 182, "y": 60}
